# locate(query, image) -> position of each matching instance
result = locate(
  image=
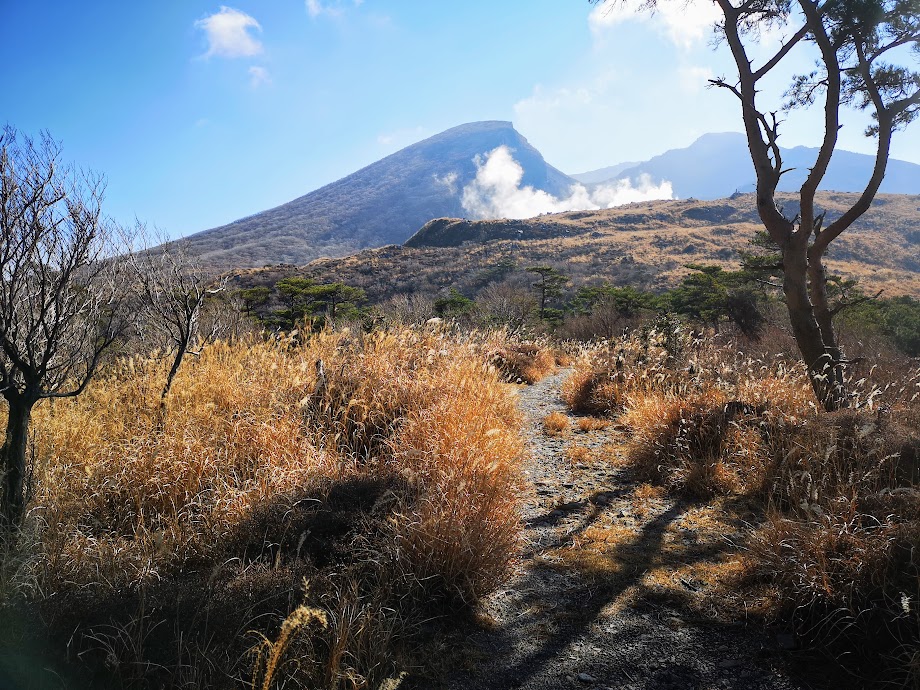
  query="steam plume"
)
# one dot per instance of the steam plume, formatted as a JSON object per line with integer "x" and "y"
{"x": 496, "y": 191}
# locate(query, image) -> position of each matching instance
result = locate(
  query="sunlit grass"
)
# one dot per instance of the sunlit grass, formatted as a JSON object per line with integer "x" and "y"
{"x": 796, "y": 513}
{"x": 556, "y": 423}
{"x": 393, "y": 457}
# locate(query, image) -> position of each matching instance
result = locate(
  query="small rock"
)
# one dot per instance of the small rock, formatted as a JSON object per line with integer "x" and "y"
{"x": 586, "y": 678}
{"x": 730, "y": 663}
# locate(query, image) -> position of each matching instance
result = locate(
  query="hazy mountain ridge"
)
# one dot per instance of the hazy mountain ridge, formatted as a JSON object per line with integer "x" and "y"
{"x": 718, "y": 164}
{"x": 604, "y": 174}
{"x": 383, "y": 203}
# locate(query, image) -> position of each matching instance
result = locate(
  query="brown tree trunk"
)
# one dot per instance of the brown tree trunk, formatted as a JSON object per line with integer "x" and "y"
{"x": 821, "y": 357}
{"x": 13, "y": 459}
{"x": 174, "y": 369}
{"x": 817, "y": 278}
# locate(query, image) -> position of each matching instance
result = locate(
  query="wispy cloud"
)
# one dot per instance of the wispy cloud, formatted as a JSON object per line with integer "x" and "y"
{"x": 333, "y": 8}
{"x": 496, "y": 191}
{"x": 589, "y": 94}
{"x": 685, "y": 22}
{"x": 316, "y": 8}
{"x": 259, "y": 76}
{"x": 230, "y": 33}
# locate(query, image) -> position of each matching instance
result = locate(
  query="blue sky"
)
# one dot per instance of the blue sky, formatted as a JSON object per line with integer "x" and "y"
{"x": 200, "y": 113}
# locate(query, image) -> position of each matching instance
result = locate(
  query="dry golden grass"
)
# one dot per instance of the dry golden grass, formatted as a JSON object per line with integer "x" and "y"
{"x": 587, "y": 424}
{"x": 587, "y": 392}
{"x": 555, "y": 423}
{"x": 563, "y": 358}
{"x": 649, "y": 492}
{"x": 577, "y": 453}
{"x": 824, "y": 508}
{"x": 390, "y": 481}
{"x": 269, "y": 655}
{"x": 520, "y": 362}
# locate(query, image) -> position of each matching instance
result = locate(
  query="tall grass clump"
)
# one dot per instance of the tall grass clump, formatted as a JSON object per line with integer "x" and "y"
{"x": 837, "y": 494}
{"x": 842, "y": 533}
{"x": 381, "y": 469}
{"x": 519, "y": 360}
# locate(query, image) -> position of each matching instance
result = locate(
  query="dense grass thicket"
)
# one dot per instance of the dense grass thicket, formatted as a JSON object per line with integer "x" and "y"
{"x": 839, "y": 493}
{"x": 295, "y": 512}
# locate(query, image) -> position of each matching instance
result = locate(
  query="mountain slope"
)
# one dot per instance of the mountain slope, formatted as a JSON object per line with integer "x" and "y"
{"x": 645, "y": 244}
{"x": 716, "y": 165}
{"x": 381, "y": 204}
{"x": 604, "y": 174}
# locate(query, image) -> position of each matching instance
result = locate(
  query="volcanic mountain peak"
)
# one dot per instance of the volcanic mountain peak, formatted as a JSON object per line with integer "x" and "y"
{"x": 382, "y": 203}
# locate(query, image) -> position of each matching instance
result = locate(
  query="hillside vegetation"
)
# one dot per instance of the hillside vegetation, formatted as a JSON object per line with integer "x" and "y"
{"x": 645, "y": 245}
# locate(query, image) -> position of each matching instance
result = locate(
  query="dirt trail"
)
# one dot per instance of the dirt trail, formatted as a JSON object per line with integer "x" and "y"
{"x": 557, "y": 627}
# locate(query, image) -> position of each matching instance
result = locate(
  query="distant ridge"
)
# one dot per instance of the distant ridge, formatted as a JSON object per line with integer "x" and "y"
{"x": 716, "y": 165}
{"x": 383, "y": 203}
{"x": 604, "y": 174}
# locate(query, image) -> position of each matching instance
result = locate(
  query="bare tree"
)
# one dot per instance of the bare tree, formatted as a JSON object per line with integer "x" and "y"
{"x": 173, "y": 289}
{"x": 62, "y": 291}
{"x": 868, "y": 53}
{"x": 509, "y": 303}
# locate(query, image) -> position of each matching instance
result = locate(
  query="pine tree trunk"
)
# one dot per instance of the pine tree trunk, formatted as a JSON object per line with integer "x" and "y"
{"x": 821, "y": 357}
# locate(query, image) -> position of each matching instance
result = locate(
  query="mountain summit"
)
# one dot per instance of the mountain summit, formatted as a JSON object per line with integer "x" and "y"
{"x": 384, "y": 203}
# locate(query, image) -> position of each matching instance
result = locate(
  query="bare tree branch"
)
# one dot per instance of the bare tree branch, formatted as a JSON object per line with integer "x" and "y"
{"x": 62, "y": 293}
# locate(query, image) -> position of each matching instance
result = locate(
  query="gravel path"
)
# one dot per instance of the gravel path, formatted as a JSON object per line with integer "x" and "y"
{"x": 554, "y": 627}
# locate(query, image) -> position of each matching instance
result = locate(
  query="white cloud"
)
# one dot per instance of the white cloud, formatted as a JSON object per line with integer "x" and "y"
{"x": 259, "y": 76}
{"x": 332, "y": 8}
{"x": 230, "y": 33}
{"x": 496, "y": 191}
{"x": 557, "y": 99}
{"x": 685, "y": 22}
{"x": 316, "y": 8}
